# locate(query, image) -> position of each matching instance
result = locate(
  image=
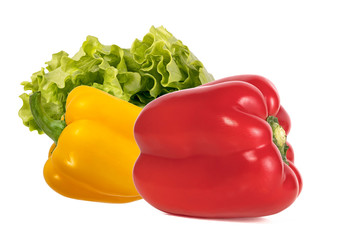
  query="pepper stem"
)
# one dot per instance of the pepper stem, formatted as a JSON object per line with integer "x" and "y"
{"x": 279, "y": 137}
{"x": 50, "y": 127}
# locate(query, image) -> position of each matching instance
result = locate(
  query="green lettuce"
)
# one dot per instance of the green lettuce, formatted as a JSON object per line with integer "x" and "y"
{"x": 152, "y": 67}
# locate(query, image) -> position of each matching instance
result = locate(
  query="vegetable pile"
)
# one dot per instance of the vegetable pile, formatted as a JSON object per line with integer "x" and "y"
{"x": 157, "y": 65}
{"x": 205, "y": 149}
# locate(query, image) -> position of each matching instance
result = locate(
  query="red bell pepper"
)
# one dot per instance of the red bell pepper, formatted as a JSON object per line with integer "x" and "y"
{"x": 218, "y": 150}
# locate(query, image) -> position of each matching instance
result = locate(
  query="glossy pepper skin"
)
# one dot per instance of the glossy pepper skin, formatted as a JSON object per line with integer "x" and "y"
{"x": 211, "y": 152}
{"x": 95, "y": 150}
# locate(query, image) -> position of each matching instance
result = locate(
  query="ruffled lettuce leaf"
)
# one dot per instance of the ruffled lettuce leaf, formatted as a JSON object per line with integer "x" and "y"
{"x": 156, "y": 65}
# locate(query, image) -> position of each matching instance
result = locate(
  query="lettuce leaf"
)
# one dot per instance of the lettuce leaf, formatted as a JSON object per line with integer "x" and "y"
{"x": 152, "y": 67}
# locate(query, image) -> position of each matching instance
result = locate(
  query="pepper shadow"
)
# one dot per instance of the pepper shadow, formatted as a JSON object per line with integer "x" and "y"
{"x": 259, "y": 220}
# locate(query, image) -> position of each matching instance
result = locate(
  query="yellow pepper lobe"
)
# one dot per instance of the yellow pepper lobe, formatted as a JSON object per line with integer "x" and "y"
{"x": 96, "y": 151}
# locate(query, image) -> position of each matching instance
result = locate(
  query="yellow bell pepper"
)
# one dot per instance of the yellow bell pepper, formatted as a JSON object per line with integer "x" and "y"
{"x": 95, "y": 150}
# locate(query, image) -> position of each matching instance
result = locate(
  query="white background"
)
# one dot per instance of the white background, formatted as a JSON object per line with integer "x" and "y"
{"x": 311, "y": 50}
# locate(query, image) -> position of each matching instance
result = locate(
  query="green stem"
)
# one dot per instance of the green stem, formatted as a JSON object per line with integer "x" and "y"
{"x": 50, "y": 127}
{"x": 279, "y": 137}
